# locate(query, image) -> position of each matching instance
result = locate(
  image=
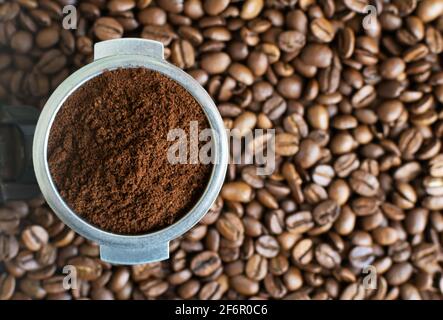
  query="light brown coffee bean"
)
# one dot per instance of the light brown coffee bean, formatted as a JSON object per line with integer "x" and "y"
{"x": 35, "y": 237}
{"x": 290, "y": 87}
{"x": 7, "y": 286}
{"x": 163, "y": 34}
{"x": 286, "y": 144}
{"x": 318, "y": 117}
{"x": 251, "y": 9}
{"x": 107, "y": 28}
{"x": 215, "y": 7}
{"x": 237, "y": 191}
{"x": 205, "y": 263}
{"x": 296, "y": 125}
{"x": 308, "y": 154}
{"x": 241, "y": 73}
{"x": 182, "y": 54}
{"x": 303, "y": 252}
{"x": 230, "y": 227}
{"x": 345, "y": 222}
{"x": 87, "y": 268}
{"x": 215, "y": 63}
{"x": 399, "y": 273}
{"x": 299, "y": 222}
{"x": 153, "y": 288}
{"x": 361, "y": 256}
{"x": 244, "y": 285}
{"x": 256, "y": 267}
{"x": 51, "y": 62}
{"x": 364, "y": 183}
{"x": 326, "y": 256}
{"x": 211, "y": 291}
{"x": 267, "y": 246}
{"x": 322, "y": 29}
{"x": 291, "y": 41}
{"x": 9, "y": 247}
{"x": 429, "y": 10}
{"x": 385, "y": 236}
{"x": 317, "y": 55}
{"x": 326, "y": 212}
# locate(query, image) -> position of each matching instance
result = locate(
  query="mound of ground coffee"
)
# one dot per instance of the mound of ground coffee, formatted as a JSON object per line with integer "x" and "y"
{"x": 108, "y": 146}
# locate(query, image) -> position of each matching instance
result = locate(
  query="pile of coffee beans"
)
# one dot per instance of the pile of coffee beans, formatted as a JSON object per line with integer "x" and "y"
{"x": 354, "y": 207}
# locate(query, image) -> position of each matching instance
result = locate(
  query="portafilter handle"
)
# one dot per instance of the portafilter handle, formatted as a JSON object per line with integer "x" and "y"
{"x": 17, "y": 178}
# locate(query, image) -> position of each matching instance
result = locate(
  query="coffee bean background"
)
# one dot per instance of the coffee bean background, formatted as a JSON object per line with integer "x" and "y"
{"x": 359, "y": 121}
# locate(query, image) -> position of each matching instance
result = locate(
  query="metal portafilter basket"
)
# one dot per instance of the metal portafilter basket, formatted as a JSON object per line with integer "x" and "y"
{"x": 129, "y": 249}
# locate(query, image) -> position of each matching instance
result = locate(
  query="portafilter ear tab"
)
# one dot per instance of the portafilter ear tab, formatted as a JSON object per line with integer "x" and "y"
{"x": 17, "y": 126}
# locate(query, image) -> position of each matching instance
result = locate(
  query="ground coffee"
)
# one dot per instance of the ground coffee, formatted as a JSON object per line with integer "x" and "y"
{"x": 108, "y": 146}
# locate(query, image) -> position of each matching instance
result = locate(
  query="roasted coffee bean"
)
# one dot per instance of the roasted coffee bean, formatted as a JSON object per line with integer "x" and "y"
{"x": 153, "y": 288}
{"x": 182, "y": 54}
{"x": 211, "y": 291}
{"x": 326, "y": 256}
{"x": 429, "y": 10}
{"x": 119, "y": 279}
{"x": 322, "y": 175}
{"x": 189, "y": 289}
{"x": 361, "y": 257}
{"x": 244, "y": 285}
{"x": 26, "y": 261}
{"x": 286, "y": 144}
{"x": 215, "y": 63}
{"x": 32, "y": 288}
{"x": 163, "y": 34}
{"x": 101, "y": 294}
{"x": 51, "y": 62}
{"x": 47, "y": 255}
{"x": 322, "y": 29}
{"x": 107, "y": 28}
{"x": 290, "y": 87}
{"x": 291, "y": 41}
{"x": 326, "y": 212}
{"x": 54, "y": 285}
{"x": 205, "y": 263}
{"x": 364, "y": 183}
{"x": 237, "y": 191}
{"x": 21, "y": 41}
{"x": 9, "y": 220}
{"x": 303, "y": 252}
{"x": 274, "y": 286}
{"x": 9, "y": 247}
{"x": 230, "y": 227}
{"x": 354, "y": 291}
{"x": 267, "y": 246}
{"x": 364, "y": 206}
{"x": 87, "y": 268}
{"x": 256, "y": 267}
{"x": 7, "y": 286}
{"x": 35, "y": 237}
{"x": 317, "y": 55}
{"x": 399, "y": 273}
{"x": 299, "y": 222}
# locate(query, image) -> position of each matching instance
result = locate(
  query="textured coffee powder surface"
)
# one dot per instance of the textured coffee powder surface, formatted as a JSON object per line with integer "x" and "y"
{"x": 108, "y": 148}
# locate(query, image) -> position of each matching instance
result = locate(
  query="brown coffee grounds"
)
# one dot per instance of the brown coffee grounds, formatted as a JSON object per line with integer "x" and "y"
{"x": 108, "y": 147}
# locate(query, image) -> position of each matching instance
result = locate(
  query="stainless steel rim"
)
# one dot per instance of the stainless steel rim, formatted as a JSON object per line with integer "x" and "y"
{"x": 69, "y": 217}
